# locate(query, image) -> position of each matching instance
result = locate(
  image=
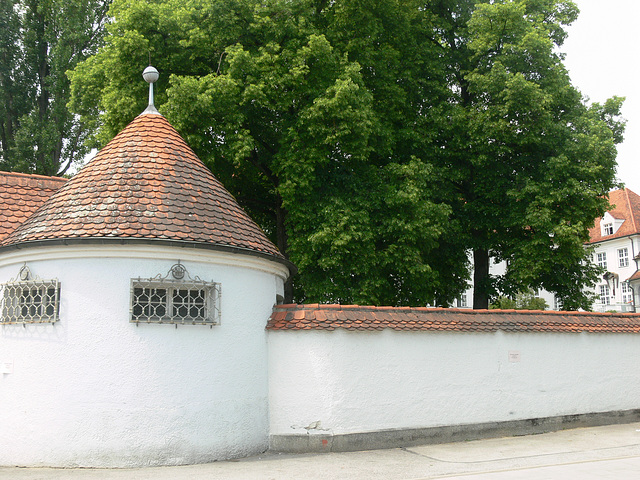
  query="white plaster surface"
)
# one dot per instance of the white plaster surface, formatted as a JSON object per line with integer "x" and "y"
{"x": 337, "y": 382}
{"x": 96, "y": 390}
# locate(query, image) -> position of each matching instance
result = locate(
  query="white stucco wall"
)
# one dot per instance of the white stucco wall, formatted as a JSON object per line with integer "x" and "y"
{"x": 352, "y": 382}
{"x": 96, "y": 390}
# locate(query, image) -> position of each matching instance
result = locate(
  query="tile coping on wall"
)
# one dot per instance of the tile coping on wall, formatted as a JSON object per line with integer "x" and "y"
{"x": 363, "y": 318}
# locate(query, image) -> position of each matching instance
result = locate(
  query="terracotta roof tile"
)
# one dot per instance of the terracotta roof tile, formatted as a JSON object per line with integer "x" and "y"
{"x": 635, "y": 276}
{"x": 626, "y": 206}
{"x": 21, "y": 195}
{"x": 363, "y": 318}
{"x": 146, "y": 183}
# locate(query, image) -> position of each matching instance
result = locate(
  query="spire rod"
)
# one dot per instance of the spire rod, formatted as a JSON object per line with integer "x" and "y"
{"x": 151, "y": 76}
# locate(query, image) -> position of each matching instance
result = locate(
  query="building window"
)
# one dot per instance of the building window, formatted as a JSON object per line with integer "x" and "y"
{"x": 30, "y": 300}
{"x": 601, "y": 259}
{"x": 176, "y": 300}
{"x": 623, "y": 257}
{"x": 462, "y": 301}
{"x": 557, "y": 303}
{"x": 627, "y": 293}
{"x": 608, "y": 228}
{"x": 605, "y": 299}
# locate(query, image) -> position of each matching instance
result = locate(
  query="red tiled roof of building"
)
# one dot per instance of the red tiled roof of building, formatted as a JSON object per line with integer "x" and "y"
{"x": 361, "y": 318}
{"x": 626, "y": 206}
{"x": 146, "y": 183}
{"x": 21, "y": 195}
{"x": 635, "y": 276}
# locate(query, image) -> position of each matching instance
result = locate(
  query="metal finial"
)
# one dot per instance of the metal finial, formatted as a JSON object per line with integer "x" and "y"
{"x": 151, "y": 76}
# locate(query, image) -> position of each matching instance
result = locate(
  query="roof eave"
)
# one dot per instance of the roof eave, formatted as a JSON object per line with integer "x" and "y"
{"x": 150, "y": 241}
{"x": 613, "y": 238}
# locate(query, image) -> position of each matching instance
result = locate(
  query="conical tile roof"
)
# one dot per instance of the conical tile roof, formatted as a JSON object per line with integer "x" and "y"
{"x": 145, "y": 184}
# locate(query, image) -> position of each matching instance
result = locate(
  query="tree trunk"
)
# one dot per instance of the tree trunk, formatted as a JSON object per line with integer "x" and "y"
{"x": 480, "y": 278}
{"x": 282, "y": 243}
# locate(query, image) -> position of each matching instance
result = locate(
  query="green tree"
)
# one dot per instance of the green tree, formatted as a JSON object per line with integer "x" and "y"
{"x": 39, "y": 41}
{"x": 378, "y": 141}
{"x": 295, "y": 108}
{"x": 525, "y": 162}
{"x": 12, "y": 78}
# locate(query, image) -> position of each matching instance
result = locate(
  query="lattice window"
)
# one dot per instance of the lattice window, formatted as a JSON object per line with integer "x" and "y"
{"x": 176, "y": 300}
{"x": 27, "y": 300}
{"x": 608, "y": 228}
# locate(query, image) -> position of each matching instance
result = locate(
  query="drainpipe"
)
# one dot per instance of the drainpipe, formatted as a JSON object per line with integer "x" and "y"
{"x": 633, "y": 292}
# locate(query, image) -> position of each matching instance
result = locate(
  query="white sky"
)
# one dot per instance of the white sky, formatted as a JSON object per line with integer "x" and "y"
{"x": 603, "y": 60}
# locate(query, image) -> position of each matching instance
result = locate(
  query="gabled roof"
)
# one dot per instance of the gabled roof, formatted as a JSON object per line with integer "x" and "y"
{"x": 634, "y": 277}
{"x": 21, "y": 195}
{"x": 626, "y": 206}
{"x": 146, "y": 184}
{"x": 356, "y": 317}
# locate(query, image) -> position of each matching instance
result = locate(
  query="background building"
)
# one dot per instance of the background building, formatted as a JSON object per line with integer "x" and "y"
{"x": 616, "y": 241}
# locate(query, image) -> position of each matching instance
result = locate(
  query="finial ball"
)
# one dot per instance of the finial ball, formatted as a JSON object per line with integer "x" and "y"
{"x": 150, "y": 74}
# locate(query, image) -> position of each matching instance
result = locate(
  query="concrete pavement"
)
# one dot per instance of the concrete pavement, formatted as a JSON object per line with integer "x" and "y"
{"x": 608, "y": 452}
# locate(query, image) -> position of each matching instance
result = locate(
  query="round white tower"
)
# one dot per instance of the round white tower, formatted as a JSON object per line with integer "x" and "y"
{"x": 134, "y": 304}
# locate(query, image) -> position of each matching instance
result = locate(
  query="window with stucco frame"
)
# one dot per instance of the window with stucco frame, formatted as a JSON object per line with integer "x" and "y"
{"x": 605, "y": 298}
{"x": 26, "y": 299}
{"x": 175, "y": 299}
{"x": 601, "y": 258}
{"x": 623, "y": 257}
{"x": 627, "y": 293}
{"x": 607, "y": 229}
{"x": 462, "y": 301}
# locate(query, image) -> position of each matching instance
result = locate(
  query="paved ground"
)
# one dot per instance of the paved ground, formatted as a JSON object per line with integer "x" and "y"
{"x": 610, "y": 452}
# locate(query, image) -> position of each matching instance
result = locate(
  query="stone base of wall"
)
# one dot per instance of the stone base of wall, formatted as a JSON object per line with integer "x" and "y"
{"x": 320, "y": 441}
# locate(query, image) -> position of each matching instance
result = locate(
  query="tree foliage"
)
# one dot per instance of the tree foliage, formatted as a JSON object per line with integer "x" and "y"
{"x": 378, "y": 141}
{"x": 313, "y": 141}
{"x": 528, "y": 162}
{"x": 39, "y": 41}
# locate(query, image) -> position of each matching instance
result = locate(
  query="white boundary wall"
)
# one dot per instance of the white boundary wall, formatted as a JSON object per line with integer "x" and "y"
{"x": 96, "y": 390}
{"x": 342, "y": 382}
